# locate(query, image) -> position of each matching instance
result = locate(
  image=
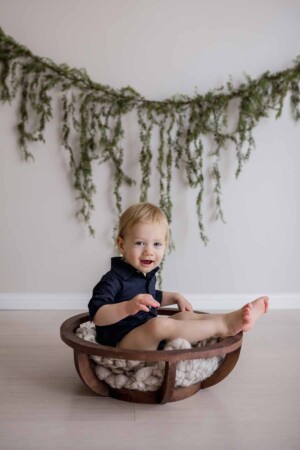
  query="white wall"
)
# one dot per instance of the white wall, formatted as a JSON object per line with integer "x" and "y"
{"x": 160, "y": 47}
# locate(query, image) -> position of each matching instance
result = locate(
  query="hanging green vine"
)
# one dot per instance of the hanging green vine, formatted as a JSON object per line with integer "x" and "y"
{"x": 94, "y": 114}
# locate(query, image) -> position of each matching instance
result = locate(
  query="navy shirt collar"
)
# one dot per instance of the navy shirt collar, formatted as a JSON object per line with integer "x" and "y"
{"x": 125, "y": 270}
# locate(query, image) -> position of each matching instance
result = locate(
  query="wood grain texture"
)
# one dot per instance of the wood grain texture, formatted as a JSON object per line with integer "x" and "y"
{"x": 228, "y": 348}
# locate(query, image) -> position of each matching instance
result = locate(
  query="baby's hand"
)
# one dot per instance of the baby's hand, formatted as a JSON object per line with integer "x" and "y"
{"x": 140, "y": 302}
{"x": 183, "y": 303}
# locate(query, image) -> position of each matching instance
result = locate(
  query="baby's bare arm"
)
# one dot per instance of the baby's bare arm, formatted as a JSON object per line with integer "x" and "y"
{"x": 109, "y": 314}
{"x": 173, "y": 298}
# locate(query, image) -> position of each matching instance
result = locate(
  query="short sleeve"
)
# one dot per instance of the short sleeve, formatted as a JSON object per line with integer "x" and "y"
{"x": 158, "y": 295}
{"x": 104, "y": 293}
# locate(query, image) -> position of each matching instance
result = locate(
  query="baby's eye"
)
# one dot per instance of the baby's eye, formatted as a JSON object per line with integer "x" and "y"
{"x": 139, "y": 243}
{"x": 157, "y": 244}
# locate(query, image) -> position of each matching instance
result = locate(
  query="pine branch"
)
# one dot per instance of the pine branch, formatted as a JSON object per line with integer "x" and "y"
{"x": 92, "y": 124}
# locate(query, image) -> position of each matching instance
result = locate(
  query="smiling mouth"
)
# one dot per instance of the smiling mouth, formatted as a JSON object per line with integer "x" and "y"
{"x": 147, "y": 262}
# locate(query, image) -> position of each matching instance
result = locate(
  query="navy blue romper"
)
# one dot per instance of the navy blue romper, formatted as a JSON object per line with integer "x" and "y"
{"x": 122, "y": 283}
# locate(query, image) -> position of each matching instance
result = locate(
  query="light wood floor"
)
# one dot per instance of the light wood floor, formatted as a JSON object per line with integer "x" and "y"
{"x": 44, "y": 405}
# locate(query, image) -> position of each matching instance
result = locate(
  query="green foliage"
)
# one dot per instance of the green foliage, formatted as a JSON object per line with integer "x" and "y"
{"x": 93, "y": 115}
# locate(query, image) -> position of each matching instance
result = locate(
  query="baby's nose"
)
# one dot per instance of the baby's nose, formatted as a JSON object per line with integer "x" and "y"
{"x": 147, "y": 250}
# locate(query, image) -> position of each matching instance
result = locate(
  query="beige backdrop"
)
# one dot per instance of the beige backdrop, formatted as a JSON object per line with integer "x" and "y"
{"x": 160, "y": 47}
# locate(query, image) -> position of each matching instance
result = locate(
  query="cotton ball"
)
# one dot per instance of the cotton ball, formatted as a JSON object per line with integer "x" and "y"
{"x": 102, "y": 372}
{"x": 108, "y": 361}
{"x": 193, "y": 376}
{"x": 179, "y": 377}
{"x": 141, "y": 386}
{"x": 83, "y": 329}
{"x": 158, "y": 369}
{"x": 90, "y": 338}
{"x": 90, "y": 329}
{"x": 86, "y": 332}
{"x": 212, "y": 365}
{"x": 195, "y": 365}
{"x": 137, "y": 386}
{"x": 96, "y": 359}
{"x": 133, "y": 364}
{"x": 177, "y": 344}
{"x": 119, "y": 371}
{"x": 120, "y": 363}
{"x": 185, "y": 382}
{"x": 111, "y": 380}
{"x": 143, "y": 373}
{"x": 152, "y": 383}
{"x": 120, "y": 381}
{"x": 184, "y": 366}
{"x": 80, "y": 334}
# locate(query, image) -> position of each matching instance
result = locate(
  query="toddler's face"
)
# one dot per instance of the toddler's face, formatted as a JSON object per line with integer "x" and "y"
{"x": 143, "y": 245}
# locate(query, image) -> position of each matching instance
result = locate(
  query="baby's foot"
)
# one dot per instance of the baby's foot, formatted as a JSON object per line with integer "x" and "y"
{"x": 244, "y": 318}
{"x": 253, "y": 311}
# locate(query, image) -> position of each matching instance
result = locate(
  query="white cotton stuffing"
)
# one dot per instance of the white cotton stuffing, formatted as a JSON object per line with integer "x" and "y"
{"x": 148, "y": 376}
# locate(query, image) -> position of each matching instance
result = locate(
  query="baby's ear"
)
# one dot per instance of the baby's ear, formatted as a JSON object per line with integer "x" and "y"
{"x": 120, "y": 244}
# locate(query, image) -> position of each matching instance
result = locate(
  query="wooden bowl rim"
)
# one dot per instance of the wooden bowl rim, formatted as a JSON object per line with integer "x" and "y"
{"x": 68, "y": 335}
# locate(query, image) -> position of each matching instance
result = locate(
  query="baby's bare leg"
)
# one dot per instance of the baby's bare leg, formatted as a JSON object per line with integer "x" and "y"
{"x": 262, "y": 303}
{"x": 148, "y": 336}
{"x": 188, "y": 315}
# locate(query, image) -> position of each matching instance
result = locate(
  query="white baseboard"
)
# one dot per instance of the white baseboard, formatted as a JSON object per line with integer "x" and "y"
{"x": 204, "y": 302}
{"x": 23, "y": 301}
{"x": 213, "y": 302}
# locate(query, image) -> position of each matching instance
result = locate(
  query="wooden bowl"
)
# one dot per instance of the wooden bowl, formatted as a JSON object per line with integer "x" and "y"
{"x": 229, "y": 348}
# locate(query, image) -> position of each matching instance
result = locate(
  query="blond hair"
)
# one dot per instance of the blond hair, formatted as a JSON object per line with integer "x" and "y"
{"x": 141, "y": 212}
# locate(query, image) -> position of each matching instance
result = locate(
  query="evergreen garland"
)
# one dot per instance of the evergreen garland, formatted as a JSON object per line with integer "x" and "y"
{"x": 94, "y": 113}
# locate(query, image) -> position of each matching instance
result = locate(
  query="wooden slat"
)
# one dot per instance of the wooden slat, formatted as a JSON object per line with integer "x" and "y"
{"x": 168, "y": 386}
{"x": 86, "y": 372}
{"x": 224, "y": 370}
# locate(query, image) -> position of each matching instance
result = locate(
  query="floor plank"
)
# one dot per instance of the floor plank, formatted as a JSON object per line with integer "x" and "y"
{"x": 44, "y": 405}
